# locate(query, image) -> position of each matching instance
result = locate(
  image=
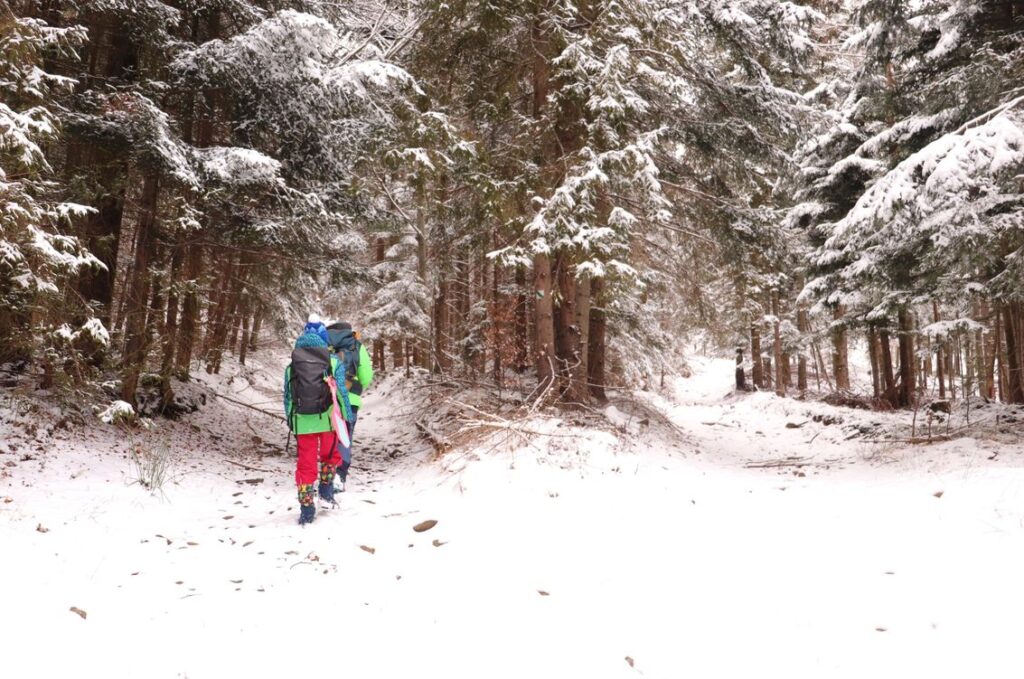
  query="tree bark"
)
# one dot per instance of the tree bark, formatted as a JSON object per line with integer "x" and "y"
{"x": 136, "y": 292}
{"x": 876, "y": 378}
{"x": 755, "y": 356}
{"x": 940, "y": 356}
{"x": 441, "y": 360}
{"x": 596, "y": 340}
{"x": 169, "y": 335}
{"x": 906, "y": 344}
{"x": 1012, "y": 334}
{"x": 579, "y": 373}
{"x": 190, "y": 309}
{"x": 522, "y": 334}
{"x": 888, "y": 371}
{"x": 257, "y": 326}
{"x": 840, "y": 351}
{"x": 803, "y": 326}
{"x": 243, "y": 347}
{"x": 741, "y": 377}
{"x": 780, "y": 378}
{"x": 544, "y": 327}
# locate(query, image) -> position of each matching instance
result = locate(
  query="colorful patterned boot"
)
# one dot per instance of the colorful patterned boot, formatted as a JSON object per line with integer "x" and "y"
{"x": 307, "y": 510}
{"x": 327, "y": 484}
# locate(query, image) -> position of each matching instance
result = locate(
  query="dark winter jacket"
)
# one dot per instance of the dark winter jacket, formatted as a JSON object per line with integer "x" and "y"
{"x": 353, "y": 354}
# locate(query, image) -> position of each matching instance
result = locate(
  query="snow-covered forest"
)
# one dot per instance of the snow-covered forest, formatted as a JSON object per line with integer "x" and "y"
{"x": 625, "y": 270}
{"x": 560, "y": 190}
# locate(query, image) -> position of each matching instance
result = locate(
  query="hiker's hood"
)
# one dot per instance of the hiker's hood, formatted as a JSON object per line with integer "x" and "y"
{"x": 340, "y": 336}
{"x": 310, "y": 338}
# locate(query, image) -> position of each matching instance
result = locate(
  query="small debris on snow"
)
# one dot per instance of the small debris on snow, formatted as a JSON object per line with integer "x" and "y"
{"x": 424, "y": 525}
{"x": 881, "y": 629}
{"x": 41, "y": 529}
{"x": 939, "y": 493}
{"x": 629, "y": 660}
{"x": 438, "y": 543}
{"x": 75, "y": 609}
{"x": 369, "y": 550}
{"x": 543, "y": 593}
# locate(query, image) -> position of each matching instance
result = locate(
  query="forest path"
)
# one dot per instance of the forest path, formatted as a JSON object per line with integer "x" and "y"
{"x": 577, "y": 554}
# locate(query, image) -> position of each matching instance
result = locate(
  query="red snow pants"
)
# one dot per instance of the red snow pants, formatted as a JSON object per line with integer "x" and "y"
{"x": 314, "y": 448}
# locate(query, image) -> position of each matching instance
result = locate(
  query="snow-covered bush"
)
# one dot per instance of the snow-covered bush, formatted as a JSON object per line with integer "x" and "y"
{"x": 119, "y": 413}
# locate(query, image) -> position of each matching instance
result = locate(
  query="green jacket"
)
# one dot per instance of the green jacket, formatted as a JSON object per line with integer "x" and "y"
{"x": 364, "y": 373}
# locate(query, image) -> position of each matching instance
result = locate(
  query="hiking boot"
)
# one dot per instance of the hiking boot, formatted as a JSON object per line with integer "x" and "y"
{"x": 339, "y": 484}
{"x": 307, "y": 512}
{"x": 327, "y": 493}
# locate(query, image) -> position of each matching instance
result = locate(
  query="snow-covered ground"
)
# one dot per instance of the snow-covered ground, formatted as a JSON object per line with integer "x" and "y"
{"x": 649, "y": 550}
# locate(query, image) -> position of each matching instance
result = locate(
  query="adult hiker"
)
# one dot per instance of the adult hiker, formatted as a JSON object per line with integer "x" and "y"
{"x": 309, "y": 407}
{"x": 358, "y": 375}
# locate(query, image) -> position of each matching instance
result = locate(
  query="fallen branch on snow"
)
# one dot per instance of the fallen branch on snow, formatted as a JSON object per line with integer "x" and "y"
{"x": 785, "y": 462}
{"x": 249, "y": 467}
{"x": 243, "y": 404}
{"x": 441, "y": 445}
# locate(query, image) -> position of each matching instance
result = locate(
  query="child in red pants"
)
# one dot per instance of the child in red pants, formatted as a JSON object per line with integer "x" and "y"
{"x": 307, "y": 406}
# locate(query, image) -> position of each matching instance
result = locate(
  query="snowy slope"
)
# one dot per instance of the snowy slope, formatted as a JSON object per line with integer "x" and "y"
{"x": 582, "y": 554}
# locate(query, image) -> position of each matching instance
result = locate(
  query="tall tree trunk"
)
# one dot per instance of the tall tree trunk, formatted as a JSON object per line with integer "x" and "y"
{"x": 888, "y": 371}
{"x": 755, "y": 355}
{"x": 803, "y": 326}
{"x": 579, "y": 373}
{"x": 940, "y": 356}
{"x": 169, "y": 336}
{"x": 421, "y": 351}
{"x": 522, "y": 336}
{"x": 596, "y": 340}
{"x": 243, "y": 347}
{"x": 136, "y": 292}
{"x": 441, "y": 316}
{"x": 257, "y": 326}
{"x": 981, "y": 351}
{"x": 497, "y": 324}
{"x": 544, "y": 328}
{"x": 906, "y": 343}
{"x": 544, "y": 325}
{"x": 876, "y": 378}
{"x": 991, "y": 351}
{"x": 222, "y": 311}
{"x": 780, "y": 378}
{"x": 1012, "y": 333}
{"x": 190, "y": 309}
{"x": 840, "y": 350}
{"x": 567, "y": 333}
{"x": 741, "y": 377}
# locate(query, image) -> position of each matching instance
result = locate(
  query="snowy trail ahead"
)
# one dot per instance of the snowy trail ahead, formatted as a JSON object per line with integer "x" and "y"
{"x": 579, "y": 556}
